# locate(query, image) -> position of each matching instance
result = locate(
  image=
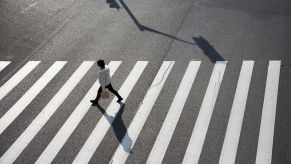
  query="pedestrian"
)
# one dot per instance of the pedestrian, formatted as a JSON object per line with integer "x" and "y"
{"x": 105, "y": 82}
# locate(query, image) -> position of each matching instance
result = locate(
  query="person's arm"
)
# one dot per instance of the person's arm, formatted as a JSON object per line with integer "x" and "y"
{"x": 107, "y": 77}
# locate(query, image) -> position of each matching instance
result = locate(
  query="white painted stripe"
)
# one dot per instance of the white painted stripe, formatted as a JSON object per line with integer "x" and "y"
{"x": 143, "y": 112}
{"x": 33, "y": 91}
{"x": 106, "y": 120}
{"x": 164, "y": 137}
{"x": 31, "y": 131}
{"x": 232, "y": 135}
{"x": 265, "y": 143}
{"x": 19, "y": 76}
{"x": 3, "y": 64}
{"x": 201, "y": 126}
{"x": 71, "y": 123}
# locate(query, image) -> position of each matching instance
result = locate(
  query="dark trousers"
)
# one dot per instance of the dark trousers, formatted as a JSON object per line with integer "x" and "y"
{"x": 110, "y": 88}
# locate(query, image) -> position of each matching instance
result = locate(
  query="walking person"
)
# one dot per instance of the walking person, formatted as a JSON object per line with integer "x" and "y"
{"x": 105, "y": 82}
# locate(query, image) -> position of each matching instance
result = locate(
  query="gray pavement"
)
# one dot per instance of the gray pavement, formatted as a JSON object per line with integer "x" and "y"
{"x": 153, "y": 31}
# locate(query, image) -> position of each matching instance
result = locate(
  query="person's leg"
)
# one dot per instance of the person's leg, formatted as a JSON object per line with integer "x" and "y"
{"x": 98, "y": 95}
{"x": 110, "y": 88}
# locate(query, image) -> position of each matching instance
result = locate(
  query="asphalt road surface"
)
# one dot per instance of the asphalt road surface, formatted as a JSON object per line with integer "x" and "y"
{"x": 203, "y": 81}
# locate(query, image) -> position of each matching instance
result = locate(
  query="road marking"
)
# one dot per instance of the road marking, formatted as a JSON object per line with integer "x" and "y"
{"x": 19, "y": 76}
{"x": 71, "y": 123}
{"x": 3, "y": 64}
{"x": 21, "y": 104}
{"x": 143, "y": 112}
{"x": 265, "y": 143}
{"x": 164, "y": 137}
{"x": 106, "y": 120}
{"x": 28, "y": 7}
{"x": 31, "y": 131}
{"x": 200, "y": 129}
{"x": 232, "y": 135}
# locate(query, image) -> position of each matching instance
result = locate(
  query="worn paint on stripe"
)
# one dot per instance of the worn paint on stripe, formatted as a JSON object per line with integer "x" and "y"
{"x": 17, "y": 78}
{"x": 3, "y": 64}
{"x": 265, "y": 143}
{"x": 164, "y": 137}
{"x": 31, "y": 131}
{"x": 37, "y": 87}
{"x": 201, "y": 126}
{"x": 143, "y": 112}
{"x": 232, "y": 135}
{"x": 108, "y": 117}
{"x": 71, "y": 123}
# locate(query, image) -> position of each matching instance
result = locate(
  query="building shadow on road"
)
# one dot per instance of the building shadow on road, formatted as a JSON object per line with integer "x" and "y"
{"x": 208, "y": 49}
{"x": 201, "y": 42}
{"x": 113, "y": 4}
{"x": 145, "y": 28}
{"x": 118, "y": 126}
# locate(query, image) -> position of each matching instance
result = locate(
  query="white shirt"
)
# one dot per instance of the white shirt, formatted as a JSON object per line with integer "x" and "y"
{"x": 104, "y": 77}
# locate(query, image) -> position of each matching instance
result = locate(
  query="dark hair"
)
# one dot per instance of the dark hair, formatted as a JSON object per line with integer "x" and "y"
{"x": 101, "y": 63}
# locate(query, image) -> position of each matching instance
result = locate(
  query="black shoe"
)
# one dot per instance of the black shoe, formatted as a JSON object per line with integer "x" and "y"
{"x": 94, "y": 101}
{"x": 119, "y": 100}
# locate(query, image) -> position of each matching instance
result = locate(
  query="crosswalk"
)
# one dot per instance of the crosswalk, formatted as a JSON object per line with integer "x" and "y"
{"x": 17, "y": 78}
{"x": 231, "y": 140}
{"x": 200, "y": 129}
{"x": 3, "y": 64}
{"x": 123, "y": 151}
{"x": 167, "y": 130}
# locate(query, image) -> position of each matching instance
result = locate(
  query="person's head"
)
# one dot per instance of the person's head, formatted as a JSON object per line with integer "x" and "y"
{"x": 101, "y": 64}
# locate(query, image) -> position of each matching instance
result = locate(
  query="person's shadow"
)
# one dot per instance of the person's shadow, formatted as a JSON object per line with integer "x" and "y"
{"x": 118, "y": 126}
{"x": 208, "y": 49}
